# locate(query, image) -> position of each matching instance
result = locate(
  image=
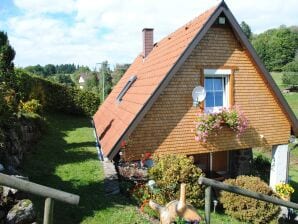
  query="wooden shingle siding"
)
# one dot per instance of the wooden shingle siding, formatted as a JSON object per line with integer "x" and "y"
{"x": 167, "y": 127}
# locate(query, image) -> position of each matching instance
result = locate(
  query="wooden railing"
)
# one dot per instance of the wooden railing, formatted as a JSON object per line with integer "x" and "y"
{"x": 237, "y": 190}
{"x": 50, "y": 194}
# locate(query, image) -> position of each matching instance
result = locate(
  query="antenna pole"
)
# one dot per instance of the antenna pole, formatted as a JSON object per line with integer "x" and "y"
{"x": 103, "y": 81}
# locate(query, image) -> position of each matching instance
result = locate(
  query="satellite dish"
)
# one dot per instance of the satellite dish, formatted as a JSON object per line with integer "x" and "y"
{"x": 198, "y": 95}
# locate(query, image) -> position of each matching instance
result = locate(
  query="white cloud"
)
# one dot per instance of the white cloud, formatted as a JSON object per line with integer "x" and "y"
{"x": 45, "y": 6}
{"x": 111, "y": 29}
{"x": 262, "y": 15}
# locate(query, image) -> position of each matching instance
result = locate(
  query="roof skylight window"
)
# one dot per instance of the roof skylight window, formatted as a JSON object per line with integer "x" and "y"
{"x": 131, "y": 80}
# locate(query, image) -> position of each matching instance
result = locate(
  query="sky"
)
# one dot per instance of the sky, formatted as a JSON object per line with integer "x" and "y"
{"x": 87, "y": 32}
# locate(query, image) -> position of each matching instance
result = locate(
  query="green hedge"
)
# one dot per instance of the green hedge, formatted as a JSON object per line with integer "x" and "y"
{"x": 54, "y": 96}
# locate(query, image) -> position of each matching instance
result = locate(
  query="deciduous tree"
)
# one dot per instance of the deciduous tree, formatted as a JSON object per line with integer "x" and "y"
{"x": 246, "y": 29}
{"x": 276, "y": 47}
{"x": 118, "y": 72}
{"x": 7, "y": 55}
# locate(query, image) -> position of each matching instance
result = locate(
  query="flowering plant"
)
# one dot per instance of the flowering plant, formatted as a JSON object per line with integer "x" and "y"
{"x": 145, "y": 157}
{"x": 213, "y": 122}
{"x": 284, "y": 190}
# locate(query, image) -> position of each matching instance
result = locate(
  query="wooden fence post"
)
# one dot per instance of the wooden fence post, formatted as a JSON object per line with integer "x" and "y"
{"x": 48, "y": 211}
{"x": 207, "y": 204}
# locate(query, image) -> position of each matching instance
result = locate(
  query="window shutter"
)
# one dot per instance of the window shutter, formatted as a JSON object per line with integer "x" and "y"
{"x": 202, "y": 78}
{"x": 231, "y": 89}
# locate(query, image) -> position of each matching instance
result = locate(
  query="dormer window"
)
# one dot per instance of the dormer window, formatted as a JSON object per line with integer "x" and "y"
{"x": 126, "y": 87}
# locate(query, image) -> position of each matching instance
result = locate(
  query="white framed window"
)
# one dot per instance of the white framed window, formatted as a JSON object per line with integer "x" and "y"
{"x": 216, "y": 83}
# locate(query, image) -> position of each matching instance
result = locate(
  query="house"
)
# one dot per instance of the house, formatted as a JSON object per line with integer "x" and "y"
{"x": 151, "y": 108}
{"x": 82, "y": 80}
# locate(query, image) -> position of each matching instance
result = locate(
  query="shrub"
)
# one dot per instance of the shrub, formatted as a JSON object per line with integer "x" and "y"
{"x": 8, "y": 105}
{"x": 261, "y": 167}
{"x": 290, "y": 78}
{"x": 54, "y": 96}
{"x": 245, "y": 208}
{"x": 169, "y": 172}
{"x": 290, "y": 74}
{"x": 291, "y": 66}
{"x": 31, "y": 106}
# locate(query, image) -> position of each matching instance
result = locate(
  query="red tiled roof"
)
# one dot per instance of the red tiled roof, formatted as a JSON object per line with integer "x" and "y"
{"x": 113, "y": 118}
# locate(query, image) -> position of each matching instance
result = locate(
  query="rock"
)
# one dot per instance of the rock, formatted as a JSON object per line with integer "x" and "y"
{"x": 7, "y": 191}
{"x": 1, "y": 168}
{"x": 22, "y": 213}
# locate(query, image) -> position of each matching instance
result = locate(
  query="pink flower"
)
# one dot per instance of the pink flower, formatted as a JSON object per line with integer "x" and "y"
{"x": 231, "y": 117}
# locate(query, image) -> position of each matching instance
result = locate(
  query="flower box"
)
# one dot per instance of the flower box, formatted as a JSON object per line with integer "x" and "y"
{"x": 207, "y": 124}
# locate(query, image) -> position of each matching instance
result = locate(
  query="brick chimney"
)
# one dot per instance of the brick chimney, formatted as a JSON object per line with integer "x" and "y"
{"x": 147, "y": 41}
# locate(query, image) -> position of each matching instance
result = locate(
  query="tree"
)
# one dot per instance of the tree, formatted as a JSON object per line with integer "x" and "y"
{"x": 7, "y": 55}
{"x": 276, "y": 47}
{"x": 118, "y": 72}
{"x": 246, "y": 29}
{"x": 290, "y": 74}
{"x": 62, "y": 79}
{"x": 49, "y": 70}
{"x": 7, "y": 95}
{"x": 91, "y": 82}
{"x": 36, "y": 70}
{"x": 65, "y": 68}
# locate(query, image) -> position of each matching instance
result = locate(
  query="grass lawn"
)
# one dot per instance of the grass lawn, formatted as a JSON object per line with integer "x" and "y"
{"x": 66, "y": 159}
{"x": 277, "y": 76}
{"x": 220, "y": 218}
{"x": 292, "y": 98}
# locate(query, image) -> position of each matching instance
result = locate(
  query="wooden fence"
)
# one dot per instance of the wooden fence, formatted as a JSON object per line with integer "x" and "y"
{"x": 237, "y": 190}
{"x": 50, "y": 194}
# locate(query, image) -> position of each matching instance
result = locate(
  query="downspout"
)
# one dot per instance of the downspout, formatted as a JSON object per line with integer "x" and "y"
{"x": 97, "y": 143}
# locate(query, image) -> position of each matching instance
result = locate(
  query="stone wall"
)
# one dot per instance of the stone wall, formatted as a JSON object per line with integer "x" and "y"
{"x": 15, "y": 139}
{"x": 18, "y": 139}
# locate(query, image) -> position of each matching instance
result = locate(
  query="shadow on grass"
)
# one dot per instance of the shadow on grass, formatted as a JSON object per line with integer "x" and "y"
{"x": 69, "y": 166}
{"x": 294, "y": 197}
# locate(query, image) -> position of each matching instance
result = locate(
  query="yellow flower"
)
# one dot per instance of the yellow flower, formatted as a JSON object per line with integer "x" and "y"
{"x": 283, "y": 189}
